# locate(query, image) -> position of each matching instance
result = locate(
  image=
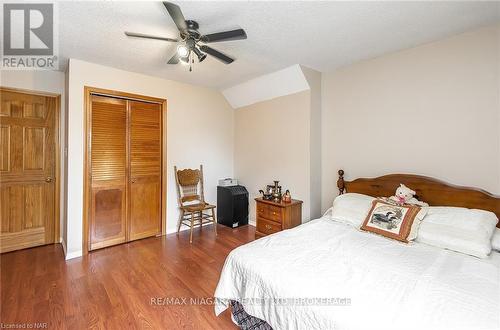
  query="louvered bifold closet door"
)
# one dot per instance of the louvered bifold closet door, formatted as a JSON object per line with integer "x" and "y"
{"x": 108, "y": 172}
{"x": 145, "y": 169}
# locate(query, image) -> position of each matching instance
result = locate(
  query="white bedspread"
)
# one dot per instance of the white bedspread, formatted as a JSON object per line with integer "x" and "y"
{"x": 390, "y": 285}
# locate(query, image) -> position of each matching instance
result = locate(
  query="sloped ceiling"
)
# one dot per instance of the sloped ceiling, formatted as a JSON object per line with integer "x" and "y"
{"x": 269, "y": 86}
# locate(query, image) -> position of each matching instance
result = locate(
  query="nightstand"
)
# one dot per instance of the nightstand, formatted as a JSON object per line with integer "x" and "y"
{"x": 273, "y": 216}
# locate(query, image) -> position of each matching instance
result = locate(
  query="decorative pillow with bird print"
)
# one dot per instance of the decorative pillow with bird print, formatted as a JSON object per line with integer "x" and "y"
{"x": 399, "y": 222}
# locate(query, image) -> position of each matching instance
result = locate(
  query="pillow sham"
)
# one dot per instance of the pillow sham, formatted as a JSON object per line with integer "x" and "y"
{"x": 463, "y": 230}
{"x": 351, "y": 208}
{"x": 495, "y": 240}
{"x": 399, "y": 222}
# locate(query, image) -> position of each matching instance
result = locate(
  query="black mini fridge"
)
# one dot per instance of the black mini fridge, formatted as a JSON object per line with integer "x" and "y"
{"x": 232, "y": 206}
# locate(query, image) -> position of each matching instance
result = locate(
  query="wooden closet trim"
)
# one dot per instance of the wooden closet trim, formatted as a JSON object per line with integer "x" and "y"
{"x": 88, "y": 92}
{"x": 57, "y": 158}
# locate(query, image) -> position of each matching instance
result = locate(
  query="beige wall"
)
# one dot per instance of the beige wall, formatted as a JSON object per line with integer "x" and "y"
{"x": 432, "y": 110}
{"x": 49, "y": 82}
{"x": 199, "y": 130}
{"x": 272, "y": 143}
{"x": 314, "y": 81}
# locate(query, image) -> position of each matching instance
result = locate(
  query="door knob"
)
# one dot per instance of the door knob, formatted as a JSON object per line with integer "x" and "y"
{"x": 48, "y": 179}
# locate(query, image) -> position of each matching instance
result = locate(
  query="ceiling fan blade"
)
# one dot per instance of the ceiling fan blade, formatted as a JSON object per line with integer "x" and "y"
{"x": 174, "y": 59}
{"x": 238, "y": 34}
{"x": 177, "y": 16}
{"x": 147, "y": 36}
{"x": 218, "y": 55}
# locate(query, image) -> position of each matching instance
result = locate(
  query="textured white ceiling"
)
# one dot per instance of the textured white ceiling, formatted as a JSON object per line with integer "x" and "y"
{"x": 321, "y": 35}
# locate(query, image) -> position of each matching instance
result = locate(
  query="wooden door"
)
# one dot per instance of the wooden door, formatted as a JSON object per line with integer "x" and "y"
{"x": 145, "y": 169}
{"x": 27, "y": 170}
{"x": 108, "y": 172}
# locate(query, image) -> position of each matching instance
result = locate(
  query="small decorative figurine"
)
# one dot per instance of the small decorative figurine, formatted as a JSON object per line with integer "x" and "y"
{"x": 287, "y": 198}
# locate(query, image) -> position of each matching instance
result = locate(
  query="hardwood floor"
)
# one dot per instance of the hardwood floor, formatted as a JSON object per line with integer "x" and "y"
{"x": 113, "y": 288}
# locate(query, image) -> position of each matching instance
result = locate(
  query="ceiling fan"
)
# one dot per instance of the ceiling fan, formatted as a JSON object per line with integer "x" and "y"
{"x": 192, "y": 42}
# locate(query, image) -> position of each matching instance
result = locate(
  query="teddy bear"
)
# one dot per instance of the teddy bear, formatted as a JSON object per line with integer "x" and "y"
{"x": 404, "y": 195}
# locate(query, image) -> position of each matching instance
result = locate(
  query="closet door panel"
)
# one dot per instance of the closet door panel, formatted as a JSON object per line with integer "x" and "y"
{"x": 108, "y": 159}
{"x": 145, "y": 169}
{"x": 145, "y": 209}
{"x": 108, "y": 215}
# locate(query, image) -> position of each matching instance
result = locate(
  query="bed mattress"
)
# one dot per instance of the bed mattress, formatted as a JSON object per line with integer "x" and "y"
{"x": 328, "y": 275}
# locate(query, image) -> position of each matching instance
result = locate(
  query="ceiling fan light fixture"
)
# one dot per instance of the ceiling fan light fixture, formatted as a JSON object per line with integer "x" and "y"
{"x": 201, "y": 56}
{"x": 189, "y": 38}
{"x": 185, "y": 60}
{"x": 183, "y": 51}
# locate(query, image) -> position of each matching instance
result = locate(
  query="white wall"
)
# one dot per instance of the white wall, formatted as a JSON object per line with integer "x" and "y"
{"x": 272, "y": 143}
{"x": 199, "y": 130}
{"x": 432, "y": 110}
{"x": 314, "y": 81}
{"x": 65, "y": 173}
{"x": 49, "y": 82}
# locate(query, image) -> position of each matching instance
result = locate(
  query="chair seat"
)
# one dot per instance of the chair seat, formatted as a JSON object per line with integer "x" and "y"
{"x": 197, "y": 207}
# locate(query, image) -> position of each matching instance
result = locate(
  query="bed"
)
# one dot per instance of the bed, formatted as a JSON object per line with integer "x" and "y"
{"x": 328, "y": 275}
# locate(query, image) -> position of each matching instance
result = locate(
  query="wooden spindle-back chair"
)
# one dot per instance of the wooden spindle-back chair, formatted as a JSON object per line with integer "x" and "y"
{"x": 191, "y": 198}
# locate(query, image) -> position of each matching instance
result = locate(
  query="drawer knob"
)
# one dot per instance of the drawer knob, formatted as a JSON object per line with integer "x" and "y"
{"x": 274, "y": 213}
{"x": 268, "y": 227}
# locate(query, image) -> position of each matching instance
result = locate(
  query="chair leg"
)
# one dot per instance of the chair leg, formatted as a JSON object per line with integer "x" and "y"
{"x": 214, "y": 219}
{"x": 201, "y": 218}
{"x": 181, "y": 217}
{"x": 192, "y": 225}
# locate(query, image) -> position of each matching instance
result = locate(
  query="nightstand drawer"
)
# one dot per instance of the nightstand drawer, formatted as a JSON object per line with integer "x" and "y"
{"x": 274, "y": 213}
{"x": 261, "y": 210}
{"x": 267, "y": 227}
{"x": 269, "y": 212}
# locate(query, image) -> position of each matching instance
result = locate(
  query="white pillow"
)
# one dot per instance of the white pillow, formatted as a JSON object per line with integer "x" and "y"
{"x": 351, "y": 208}
{"x": 495, "y": 240}
{"x": 459, "y": 229}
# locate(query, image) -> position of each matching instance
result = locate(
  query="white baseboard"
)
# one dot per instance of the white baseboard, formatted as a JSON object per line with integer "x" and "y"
{"x": 63, "y": 243}
{"x": 79, "y": 253}
{"x": 70, "y": 255}
{"x": 183, "y": 228}
{"x": 74, "y": 254}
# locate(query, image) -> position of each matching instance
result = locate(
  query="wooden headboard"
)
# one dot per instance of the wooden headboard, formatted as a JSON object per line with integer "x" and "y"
{"x": 430, "y": 190}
